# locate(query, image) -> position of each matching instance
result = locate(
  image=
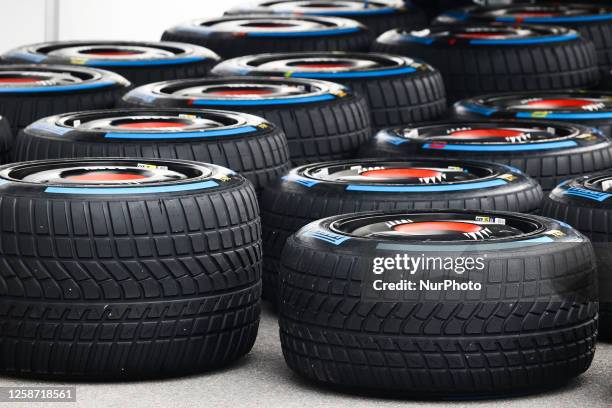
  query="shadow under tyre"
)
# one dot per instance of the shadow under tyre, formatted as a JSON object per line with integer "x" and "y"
{"x": 321, "y": 190}
{"x": 139, "y": 62}
{"x": 588, "y": 108}
{"x": 480, "y": 59}
{"x": 593, "y": 22}
{"x": 586, "y": 204}
{"x": 549, "y": 152}
{"x": 322, "y": 120}
{"x": 32, "y": 92}
{"x": 398, "y": 90}
{"x": 250, "y": 145}
{"x": 378, "y": 15}
{"x": 6, "y": 141}
{"x": 126, "y": 268}
{"x": 519, "y": 317}
{"x": 234, "y": 36}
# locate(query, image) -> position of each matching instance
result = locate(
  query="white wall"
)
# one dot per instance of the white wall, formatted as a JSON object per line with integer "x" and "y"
{"x": 22, "y": 21}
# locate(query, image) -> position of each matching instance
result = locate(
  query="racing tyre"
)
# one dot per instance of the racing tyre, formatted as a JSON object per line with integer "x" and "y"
{"x": 32, "y": 92}
{"x": 320, "y": 190}
{"x": 480, "y": 59}
{"x": 398, "y": 90}
{"x": 6, "y": 140}
{"x": 378, "y": 15}
{"x": 589, "y": 108}
{"x": 510, "y": 311}
{"x": 549, "y": 152}
{"x": 139, "y": 62}
{"x": 124, "y": 268}
{"x": 234, "y": 36}
{"x": 585, "y": 203}
{"x": 322, "y": 120}
{"x": 593, "y": 22}
{"x": 247, "y": 144}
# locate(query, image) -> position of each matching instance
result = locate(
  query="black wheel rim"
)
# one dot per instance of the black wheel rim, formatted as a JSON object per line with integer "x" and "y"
{"x": 441, "y": 226}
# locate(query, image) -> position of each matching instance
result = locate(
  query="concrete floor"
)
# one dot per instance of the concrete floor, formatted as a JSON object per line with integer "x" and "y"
{"x": 262, "y": 380}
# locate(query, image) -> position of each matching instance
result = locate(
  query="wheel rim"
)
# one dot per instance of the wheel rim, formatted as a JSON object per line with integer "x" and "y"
{"x": 490, "y": 133}
{"x": 442, "y": 226}
{"x": 151, "y": 121}
{"x": 276, "y": 24}
{"x": 110, "y": 50}
{"x": 405, "y": 173}
{"x": 106, "y": 173}
{"x": 37, "y": 78}
{"x": 571, "y": 103}
{"x": 538, "y": 11}
{"x": 307, "y": 6}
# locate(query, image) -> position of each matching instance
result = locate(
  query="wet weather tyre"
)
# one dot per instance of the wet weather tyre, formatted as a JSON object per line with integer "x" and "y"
{"x": 31, "y": 92}
{"x": 584, "y": 203}
{"x": 334, "y": 329}
{"x": 6, "y": 141}
{"x": 588, "y": 108}
{"x": 234, "y": 36}
{"x": 549, "y": 152}
{"x": 139, "y": 62}
{"x": 398, "y": 90}
{"x": 322, "y": 120}
{"x": 547, "y": 58}
{"x": 250, "y": 145}
{"x": 379, "y": 15}
{"x": 121, "y": 268}
{"x": 321, "y": 190}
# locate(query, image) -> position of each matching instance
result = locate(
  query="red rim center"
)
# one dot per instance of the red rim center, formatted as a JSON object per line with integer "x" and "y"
{"x": 105, "y": 176}
{"x": 20, "y": 80}
{"x": 485, "y": 133}
{"x": 422, "y": 228}
{"x": 323, "y": 65}
{"x": 401, "y": 173}
{"x": 559, "y": 103}
{"x": 152, "y": 125}
{"x": 241, "y": 92}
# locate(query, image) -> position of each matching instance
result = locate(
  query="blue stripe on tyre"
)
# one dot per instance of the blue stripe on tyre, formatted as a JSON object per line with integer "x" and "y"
{"x": 260, "y": 102}
{"x": 60, "y": 88}
{"x": 525, "y": 41}
{"x": 183, "y": 135}
{"x": 356, "y": 74}
{"x": 479, "y": 109}
{"x": 428, "y": 188}
{"x": 467, "y": 247}
{"x": 132, "y": 190}
{"x": 564, "y": 116}
{"x": 502, "y": 148}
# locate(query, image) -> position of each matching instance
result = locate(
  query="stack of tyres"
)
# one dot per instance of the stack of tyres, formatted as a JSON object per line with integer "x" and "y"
{"x": 139, "y": 62}
{"x": 584, "y": 203}
{"x": 398, "y": 89}
{"x": 378, "y": 15}
{"x": 233, "y": 36}
{"x": 32, "y": 92}
{"x": 124, "y": 268}
{"x": 322, "y": 120}
{"x": 589, "y": 108}
{"x": 531, "y": 326}
{"x": 593, "y": 22}
{"x": 250, "y": 145}
{"x": 321, "y": 190}
{"x": 477, "y": 59}
{"x": 550, "y": 152}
